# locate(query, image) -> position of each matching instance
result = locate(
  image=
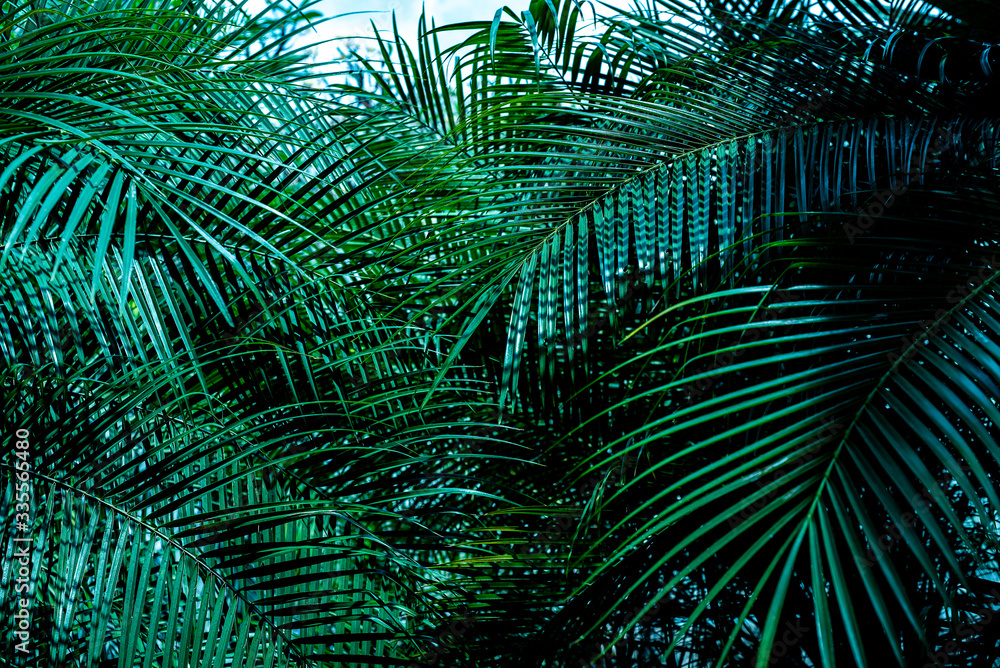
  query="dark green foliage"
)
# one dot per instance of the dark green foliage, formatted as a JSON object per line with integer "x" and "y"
{"x": 671, "y": 341}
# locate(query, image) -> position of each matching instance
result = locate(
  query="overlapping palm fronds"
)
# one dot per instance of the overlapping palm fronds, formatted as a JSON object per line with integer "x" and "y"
{"x": 668, "y": 339}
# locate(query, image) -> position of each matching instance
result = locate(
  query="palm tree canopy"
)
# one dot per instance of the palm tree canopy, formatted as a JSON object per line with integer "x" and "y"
{"x": 668, "y": 336}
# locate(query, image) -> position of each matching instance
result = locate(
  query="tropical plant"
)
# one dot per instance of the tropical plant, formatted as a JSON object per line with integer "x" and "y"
{"x": 667, "y": 336}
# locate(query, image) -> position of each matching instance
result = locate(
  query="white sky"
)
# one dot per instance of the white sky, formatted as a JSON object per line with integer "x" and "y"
{"x": 408, "y": 11}
{"x": 347, "y": 24}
